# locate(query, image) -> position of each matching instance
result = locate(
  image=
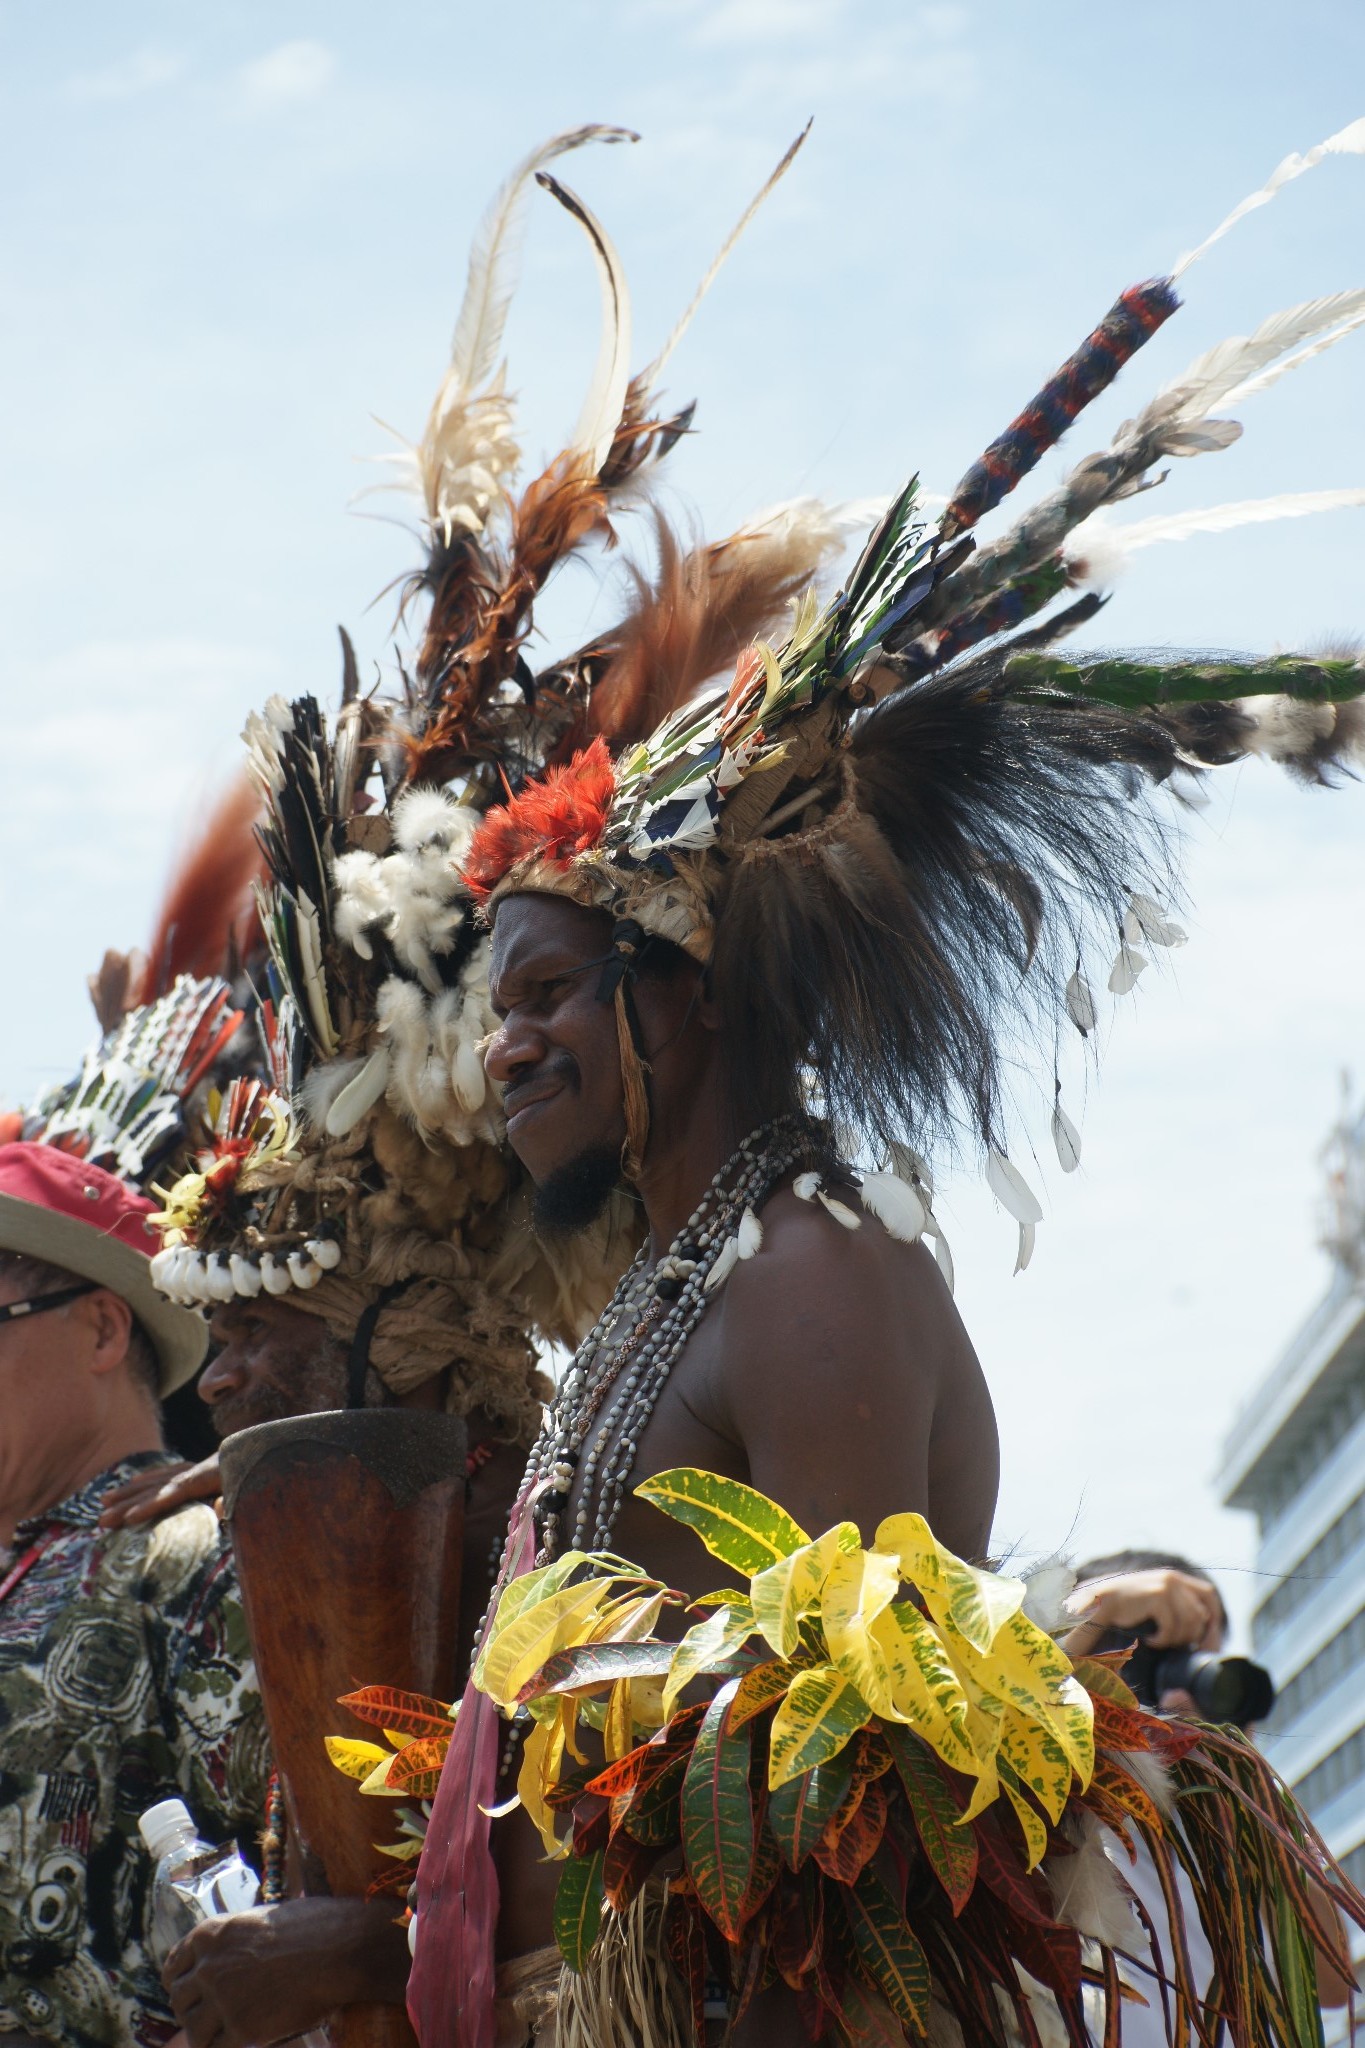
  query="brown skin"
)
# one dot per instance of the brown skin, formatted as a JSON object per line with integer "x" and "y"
{"x": 248, "y": 1979}
{"x": 832, "y": 1372}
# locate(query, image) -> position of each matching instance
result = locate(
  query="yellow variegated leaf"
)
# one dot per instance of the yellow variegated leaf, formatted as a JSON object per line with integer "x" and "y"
{"x": 1028, "y": 1672}
{"x": 556, "y": 1623}
{"x": 523, "y": 1593}
{"x": 819, "y": 1716}
{"x": 924, "y": 1690}
{"x": 787, "y": 1591}
{"x": 1035, "y": 1833}
{"x": 538, "y": 1772}
{"x": 406, "y": 1851}
{"x": 1037, "y": 1759}
{"x": 704, "y": 1645}
{"x": 627, "y": 1620}
{"x": 975, "y": 1603}
{"x": 859, "y": 1587}
{"x": 618, "y": 1734}
{"x": 739, "y": 1525}
{"x": 647, "y": 1703}
{"x": 985, "y": 1792}
{"x": 398, "y": 1738}
{"x": 376, "y": 1784}
{"x": 356, "y": 1759}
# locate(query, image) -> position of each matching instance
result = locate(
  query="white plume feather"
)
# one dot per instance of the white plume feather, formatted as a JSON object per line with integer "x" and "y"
{"x": 1087, "y": 1893}
{"x": 1349, "y": 141}
{"x": 1011, "y": 1190}
{"x": 359, "y": 1096}
{"x": 1066, "y": 1138}
{"x": 649, "y": 377}
{"x": 1027, "y": 1233}
{"x": 1098, "y": 552}
{"x": 1080, "y": 1003}
{"x": 840, "y": 1211}
{"x": 1273, "y": 374}
{"x": 1128, "y": 965}
{"x": 750, "y": 1235}
{"x": 726, "y": 1261}
{"x": 1210, "y": 378}
{"x": 896, "y": 1206}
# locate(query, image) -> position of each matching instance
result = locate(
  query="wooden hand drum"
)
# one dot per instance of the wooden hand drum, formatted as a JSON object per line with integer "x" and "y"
{"x": 347, "y": 1528}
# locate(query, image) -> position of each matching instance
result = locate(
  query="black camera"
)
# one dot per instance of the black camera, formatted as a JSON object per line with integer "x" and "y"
{"x": 1222, "y": 1688}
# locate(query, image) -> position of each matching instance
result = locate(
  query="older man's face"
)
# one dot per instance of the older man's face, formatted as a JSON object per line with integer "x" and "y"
{"x": 50, "y": 1402}
{"x": 273, "y": 1361}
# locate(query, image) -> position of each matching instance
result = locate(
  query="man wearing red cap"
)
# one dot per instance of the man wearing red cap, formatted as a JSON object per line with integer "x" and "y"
{"x": 124, "y": 1670}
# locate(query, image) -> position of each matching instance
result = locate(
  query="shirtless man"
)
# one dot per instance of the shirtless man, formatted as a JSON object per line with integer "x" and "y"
{"x": 832, "y": 1372}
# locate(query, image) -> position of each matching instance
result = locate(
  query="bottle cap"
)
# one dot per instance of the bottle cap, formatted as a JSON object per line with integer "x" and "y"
{"x": 163, "y": 1824}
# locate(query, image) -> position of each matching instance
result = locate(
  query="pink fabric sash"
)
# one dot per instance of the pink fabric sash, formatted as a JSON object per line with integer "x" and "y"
{"x": 450, "y": 1990}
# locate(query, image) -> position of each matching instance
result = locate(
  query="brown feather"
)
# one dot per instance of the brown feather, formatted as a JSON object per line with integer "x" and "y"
{"x": 207, "y": 910}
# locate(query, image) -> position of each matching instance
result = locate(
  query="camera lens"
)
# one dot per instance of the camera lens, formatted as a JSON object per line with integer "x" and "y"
{"x": 1223, "y": 1688}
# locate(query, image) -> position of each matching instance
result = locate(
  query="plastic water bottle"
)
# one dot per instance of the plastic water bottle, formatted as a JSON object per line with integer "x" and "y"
{"x": 193, "y": 1881}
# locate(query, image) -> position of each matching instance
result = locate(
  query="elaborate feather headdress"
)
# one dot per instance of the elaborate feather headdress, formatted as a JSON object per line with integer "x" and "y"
{"x": 898, "y": 831}
{"x": 366, "y": 1173}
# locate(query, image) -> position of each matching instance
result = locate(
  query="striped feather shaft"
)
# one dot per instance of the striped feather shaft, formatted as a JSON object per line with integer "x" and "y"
{"x": 1131, "y": 320}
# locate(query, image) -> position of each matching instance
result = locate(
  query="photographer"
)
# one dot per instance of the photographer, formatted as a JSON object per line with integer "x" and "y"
{"x": 1175, "y": 1615}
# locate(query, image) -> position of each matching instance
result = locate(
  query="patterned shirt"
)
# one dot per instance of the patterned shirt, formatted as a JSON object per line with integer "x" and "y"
{"x": 125, "y": 1678}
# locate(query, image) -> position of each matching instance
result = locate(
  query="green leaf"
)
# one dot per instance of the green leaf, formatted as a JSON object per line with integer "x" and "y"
{"x": 820, "y": 1714}
{"x": 718, "y": 1815}
{"x": 761, "y": 1688}
{"x": 705, "y": 1646}
{"x": 949, "y": 1849}
{"x": 801, "y": 1810}
{"x": 739, "y": 1525}
{"x": 594, "y": 1665}
{"x": 887, "y": 1949}
{"x": 578, "y": 1908}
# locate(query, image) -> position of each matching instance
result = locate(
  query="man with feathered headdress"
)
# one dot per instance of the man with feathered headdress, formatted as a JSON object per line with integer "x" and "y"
{"x": 753, "y": 953}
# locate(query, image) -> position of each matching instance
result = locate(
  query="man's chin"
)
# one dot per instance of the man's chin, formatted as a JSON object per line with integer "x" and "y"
{"x": 570, "y": 1198}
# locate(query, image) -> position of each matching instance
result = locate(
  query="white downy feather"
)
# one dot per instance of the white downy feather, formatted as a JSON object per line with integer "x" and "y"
{"x": 1265, "y": 378}
{"x": 1087, "y": 1893}
{"x": 1027, "y": 1232}
{"x": 359, "y": 1096}
{"x": 1097, "y": 552}
{"x": 726, "y": 1261}
{"x": 943, "y": 1257}
{"x": 749, "y": 1238}
{"x": 424, "y": 818}
{"x": 606, "y": 397}
{"x": 401, "y": 1013}
{"x": 1080, "y": 1003}
{"x": 1128, "y": 965}
{"x": 1285, "y": 728}
{"x": 649, "y": 377}
{"x": 896, "y": 1206}
{"x": 805, "y": 1186}
{"x": 362, "y": 900}
{"x": 1145, "y": 919}
{"x": 840, "y": 1211}
{"x": 1348, "y": 141}
{"x": 1011, "y": 1190}
{"x": 1066, "y": 1138}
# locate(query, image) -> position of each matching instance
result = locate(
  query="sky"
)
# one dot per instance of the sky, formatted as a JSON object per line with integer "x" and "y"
{"x": 234, "y": 240}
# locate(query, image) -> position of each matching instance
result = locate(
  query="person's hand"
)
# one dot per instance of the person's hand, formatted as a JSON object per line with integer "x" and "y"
{"x": 247, "y": 1980}
{"x": 1181, "y": 1612}
{"x": 149, "y": 1495}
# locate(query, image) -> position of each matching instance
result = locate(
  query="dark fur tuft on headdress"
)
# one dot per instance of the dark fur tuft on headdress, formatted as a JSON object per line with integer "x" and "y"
{"x": 877, "y": 965}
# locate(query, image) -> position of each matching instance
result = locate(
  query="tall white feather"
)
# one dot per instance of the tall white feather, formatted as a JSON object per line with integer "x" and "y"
{"x": 649, "y": 377}
{"x": 1262, "y": 382}
{"x": 1349, "y": 141}
{"x": 1098, "y": 552}
{"x": 1212, "y": 376}
{"x": 602, "y": 408}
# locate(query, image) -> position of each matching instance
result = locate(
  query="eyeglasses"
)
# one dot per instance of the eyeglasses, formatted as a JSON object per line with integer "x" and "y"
{"x": 58, "y": 1298}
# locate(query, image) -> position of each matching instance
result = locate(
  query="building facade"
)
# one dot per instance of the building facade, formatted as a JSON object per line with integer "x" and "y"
{"x": 1295, "y": 1456}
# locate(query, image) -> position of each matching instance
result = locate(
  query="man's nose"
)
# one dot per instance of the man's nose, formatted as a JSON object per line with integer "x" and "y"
{"x": 225, "y": 1373}
{"x": 515, "y": 1046}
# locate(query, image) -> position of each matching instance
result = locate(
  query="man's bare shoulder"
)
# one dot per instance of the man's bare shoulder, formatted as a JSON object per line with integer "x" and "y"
{"x": 812, "y": 1262}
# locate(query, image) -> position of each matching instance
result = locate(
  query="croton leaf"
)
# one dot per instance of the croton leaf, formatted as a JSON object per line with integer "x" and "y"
{"x": 760, "y": 1688}
{"x": 1001, "y": 1869}
{"x": 416, "y": 1770}
{"x": 1100, "y": 1677}
{"x": 949, "y": 1849}
{"x": 591, "y": 1824}
{"x": 591, "y": 1666}
{"x": 706, "y": 1646}
{"x": 1111, "y": 1779}
{"x": 624, "y": 1869}
{"x": 1037, "y": 1759}
{"x": 975, "y": 1603}
{"x": 517, "y": 1650}
{"x": 820, "y": 1715}
{"x": 800, "y": 1810}
{"x": 855, "y": 1835}
{"x": 578, "y": 1908}
{"x": 357, "y": 1759}
{"x": 789, "y": 1590}
{"x": 407, "y": 1713}
{"x": 718, "y": 1817}
{"x": 887, "y": 1950}
{"x": 1031, "y": 1823}
{"x": 739, "y": 1525}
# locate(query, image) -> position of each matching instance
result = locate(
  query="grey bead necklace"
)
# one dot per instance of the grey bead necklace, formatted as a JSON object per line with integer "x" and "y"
{"x": 618, "y": 1373}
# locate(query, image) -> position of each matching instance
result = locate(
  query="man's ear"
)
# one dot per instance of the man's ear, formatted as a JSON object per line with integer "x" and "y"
{"x": 110, "y": 1321}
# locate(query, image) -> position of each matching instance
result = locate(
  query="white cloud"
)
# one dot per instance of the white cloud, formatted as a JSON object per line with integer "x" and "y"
{"x": 289, "y": 76}
{"x": 144, "y": 71}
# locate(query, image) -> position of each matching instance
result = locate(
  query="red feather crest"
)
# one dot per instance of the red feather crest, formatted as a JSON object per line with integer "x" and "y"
{"x": 563, "y": 814}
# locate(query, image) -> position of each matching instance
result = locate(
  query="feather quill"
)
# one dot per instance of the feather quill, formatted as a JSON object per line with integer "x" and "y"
{"x": 1348, "y": 141}
{"x": 603, "y": 406}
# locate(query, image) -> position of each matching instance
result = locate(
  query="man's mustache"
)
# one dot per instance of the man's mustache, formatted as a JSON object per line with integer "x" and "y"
{"x": 559, "y": 1067}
